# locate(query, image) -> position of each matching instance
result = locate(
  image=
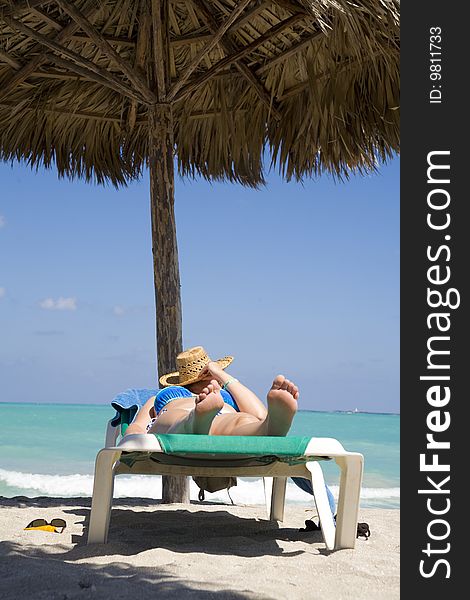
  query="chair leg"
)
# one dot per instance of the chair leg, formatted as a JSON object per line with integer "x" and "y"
{"x": 348, "y": 501}
{"x": 278, "y": 499}
{"x": 268, "y": 483}
{"x": 327, "y": 523}
{"x": 275, "y": 497}
{"x": 103, "y": 486}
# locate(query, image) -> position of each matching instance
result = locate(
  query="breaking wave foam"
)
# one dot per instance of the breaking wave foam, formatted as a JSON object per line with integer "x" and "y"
{"x": 16, "y": 483}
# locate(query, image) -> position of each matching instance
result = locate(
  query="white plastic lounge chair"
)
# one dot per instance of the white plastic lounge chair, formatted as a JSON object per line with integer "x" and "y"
{"x": 273, "y": 458}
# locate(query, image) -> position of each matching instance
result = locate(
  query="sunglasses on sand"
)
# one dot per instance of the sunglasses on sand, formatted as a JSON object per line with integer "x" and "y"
{"x": 43, "y": 525}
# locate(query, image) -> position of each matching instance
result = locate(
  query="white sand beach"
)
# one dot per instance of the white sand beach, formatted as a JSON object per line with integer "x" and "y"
{"x": 195, "y": 551}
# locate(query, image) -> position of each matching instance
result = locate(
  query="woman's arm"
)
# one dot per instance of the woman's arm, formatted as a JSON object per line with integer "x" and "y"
{"x": 139, "y": 424}
{"x": 246, "y": 400}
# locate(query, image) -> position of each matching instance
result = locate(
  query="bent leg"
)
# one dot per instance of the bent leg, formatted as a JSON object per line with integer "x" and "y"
{"x": 204, "y": 418}
{"x": 238, "y": 423}
{"x": 196, "y": 420}
{"x": 282, "y": 406}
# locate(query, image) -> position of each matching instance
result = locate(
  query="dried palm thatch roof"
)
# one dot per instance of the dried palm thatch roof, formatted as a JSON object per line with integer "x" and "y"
{"x": 314, "y": 82}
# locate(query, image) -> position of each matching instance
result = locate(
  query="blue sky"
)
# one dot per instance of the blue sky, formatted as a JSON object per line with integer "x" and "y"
{"x": 295, "y": 279}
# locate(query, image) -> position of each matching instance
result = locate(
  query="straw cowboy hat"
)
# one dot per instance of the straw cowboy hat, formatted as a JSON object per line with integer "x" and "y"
{"x": 190, "y": 364}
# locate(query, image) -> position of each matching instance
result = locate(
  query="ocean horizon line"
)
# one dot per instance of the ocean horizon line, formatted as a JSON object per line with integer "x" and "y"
{"x": 333, "y": 411}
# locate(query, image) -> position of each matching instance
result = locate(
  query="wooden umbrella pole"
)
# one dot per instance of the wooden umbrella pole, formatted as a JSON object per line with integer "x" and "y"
{"x": 165, "y": 261}
{"x": 164, "y": 244}
{"x": 162, "y": 200}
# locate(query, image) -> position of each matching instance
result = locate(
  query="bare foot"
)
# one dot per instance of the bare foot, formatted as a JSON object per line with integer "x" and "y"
{"x": 207, "y": 405}
{"x": 282, "y": 405}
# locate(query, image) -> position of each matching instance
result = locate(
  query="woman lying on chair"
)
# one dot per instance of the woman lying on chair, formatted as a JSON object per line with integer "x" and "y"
{"x": 202, "y": 398}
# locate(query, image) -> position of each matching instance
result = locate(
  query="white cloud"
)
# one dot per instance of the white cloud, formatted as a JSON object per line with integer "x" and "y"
{"x": 2, "y": 221}
{"x": 59, "y": 304}
{"x": 118, "y": 311}
{"x": 2, "y": 292}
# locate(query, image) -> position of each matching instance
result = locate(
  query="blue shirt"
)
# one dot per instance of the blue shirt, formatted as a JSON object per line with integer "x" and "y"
{"x": 171, "y": 392}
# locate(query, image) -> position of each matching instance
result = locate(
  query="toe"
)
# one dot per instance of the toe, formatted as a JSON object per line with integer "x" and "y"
{"x": 278, "y": 382}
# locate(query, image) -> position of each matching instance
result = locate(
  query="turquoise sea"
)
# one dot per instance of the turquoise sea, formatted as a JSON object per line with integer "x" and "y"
{"x": 49, "y": 450}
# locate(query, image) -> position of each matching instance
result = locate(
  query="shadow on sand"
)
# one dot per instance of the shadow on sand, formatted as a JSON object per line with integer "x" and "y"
{"x": 83, "y": 571}
{"x": 28, "y": 573}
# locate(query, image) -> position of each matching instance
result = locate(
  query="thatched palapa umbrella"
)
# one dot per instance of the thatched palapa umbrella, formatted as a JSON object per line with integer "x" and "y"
{"x": 103, "y": 88}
